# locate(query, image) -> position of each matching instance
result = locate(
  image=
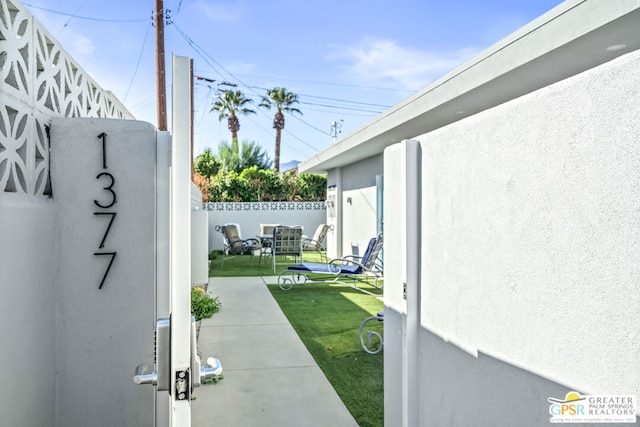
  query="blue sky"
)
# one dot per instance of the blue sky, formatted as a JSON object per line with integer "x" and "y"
{"x": 348, "y": 61}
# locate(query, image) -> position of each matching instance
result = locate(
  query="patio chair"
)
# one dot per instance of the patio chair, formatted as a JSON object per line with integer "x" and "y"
{"x": 266, "y": 237}
{"x": 287, "y": 243}
{"x": 267, "y": 230}
{"x": 350, "y": 270}
{"x": 234, "y": 245}
{"x": 316, "y": 243}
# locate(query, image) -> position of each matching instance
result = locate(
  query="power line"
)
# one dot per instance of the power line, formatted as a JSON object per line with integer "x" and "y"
{"x": 195, "y": 46}
{"x": 346, "y": 101}
{"x": 311, "y": 126}
{"x": 144, "y": 41}
{"x": 74, "y": 16}
{"x": 71, "y": 17}
{"x": 392, "y": 89}
{"x": 204, "y": 107}
{"x": 342, "y": 107}
{"x": 344, "y": 113}
{"x": 178, "y": 11}
{"x": 197, "y": 49}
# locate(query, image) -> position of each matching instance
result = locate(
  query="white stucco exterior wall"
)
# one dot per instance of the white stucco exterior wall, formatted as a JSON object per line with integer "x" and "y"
{"x": 359, "y": 219}
{"x": 531, "y": 233}
{"x": 103, "y": 333}
{"x": 27, "y": 329}
{"x": 358, "y": 201}
{"x": 199, "y": 247}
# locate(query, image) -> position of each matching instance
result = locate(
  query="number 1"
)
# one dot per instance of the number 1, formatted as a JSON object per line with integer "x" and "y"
{"x": 103, "y": 136}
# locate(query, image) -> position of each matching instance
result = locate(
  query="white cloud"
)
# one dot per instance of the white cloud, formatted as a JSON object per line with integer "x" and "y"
{"x": 83, "y": 45}
{"x": 220, "y": 12}
{"x": 385, "y": 62}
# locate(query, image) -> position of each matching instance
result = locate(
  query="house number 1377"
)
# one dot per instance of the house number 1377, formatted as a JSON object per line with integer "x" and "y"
{"x": 106, "y": 200}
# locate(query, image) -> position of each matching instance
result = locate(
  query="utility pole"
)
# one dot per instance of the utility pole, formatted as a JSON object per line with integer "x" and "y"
{"x": 191, "y": 115}
{"x": 161, "y": 83}
{"x": 336, "y": 128}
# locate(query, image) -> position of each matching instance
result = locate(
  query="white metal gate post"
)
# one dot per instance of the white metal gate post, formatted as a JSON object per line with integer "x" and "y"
{"x": 163, "y": 255}
{"x": 181, "y": 375}
{"x": 402, "y": 201}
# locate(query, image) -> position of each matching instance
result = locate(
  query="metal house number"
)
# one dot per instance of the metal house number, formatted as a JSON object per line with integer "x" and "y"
{"x": 106, "y": 201}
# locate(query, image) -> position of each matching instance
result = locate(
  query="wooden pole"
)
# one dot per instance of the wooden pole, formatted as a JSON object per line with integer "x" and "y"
{"x": 161, "y": 85}
{"x": 191, "y": 115}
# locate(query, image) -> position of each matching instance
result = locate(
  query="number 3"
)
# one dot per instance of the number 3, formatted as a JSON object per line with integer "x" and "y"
{"x": 108, "y": 188}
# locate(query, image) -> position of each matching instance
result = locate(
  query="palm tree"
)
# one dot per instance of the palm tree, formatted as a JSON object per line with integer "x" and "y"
{"x": 229, "y": 103}
{"x": 281, "y": 99}
{"x": 237, "y": 157}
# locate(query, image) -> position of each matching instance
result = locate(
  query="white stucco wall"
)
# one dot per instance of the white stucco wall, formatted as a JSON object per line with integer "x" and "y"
{"x": 357, "y": 223}
{"x": 530, "y": 247}
{"x": 57, "y": 87}
{"x": 199, "y": 247}
{"x": 250, "y": 215}
{"x": 103, "y": 333}
{"x": 359, "y": 219}
{"x": 27, "y": 331}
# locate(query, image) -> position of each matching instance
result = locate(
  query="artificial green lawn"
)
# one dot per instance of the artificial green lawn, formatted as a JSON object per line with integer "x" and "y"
{"x": 241, "y": 266}
{"x": 327, "y": 319}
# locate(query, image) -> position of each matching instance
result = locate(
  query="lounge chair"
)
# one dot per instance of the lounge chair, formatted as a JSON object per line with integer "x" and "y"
{"x": 370, "y": 333}
{"x": 350, "y": 270}
{"x": 234, "y": 245}
{"x": 316, "y": 243}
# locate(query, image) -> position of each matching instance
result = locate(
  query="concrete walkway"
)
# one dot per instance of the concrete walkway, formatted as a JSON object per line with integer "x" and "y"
{"x": 270, "y": 379}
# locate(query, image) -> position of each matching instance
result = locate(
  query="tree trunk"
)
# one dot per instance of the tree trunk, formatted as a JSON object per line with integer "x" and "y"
{"x": 276, "y": 157}
{"x": 233, "y": 124}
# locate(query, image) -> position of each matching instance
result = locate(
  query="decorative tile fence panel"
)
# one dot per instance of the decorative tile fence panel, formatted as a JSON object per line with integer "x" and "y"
{"x": 265, "y": 206}
{"x": 39, "y": 80}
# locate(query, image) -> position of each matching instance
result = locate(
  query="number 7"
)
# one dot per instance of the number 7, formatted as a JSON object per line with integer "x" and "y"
{"x": 106, "y": 233}
{"x": 113, "y": 256}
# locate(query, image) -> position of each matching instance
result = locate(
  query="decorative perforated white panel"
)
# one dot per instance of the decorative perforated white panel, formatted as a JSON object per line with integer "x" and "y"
{"x": 39, "y": 80}
{"x": 264, "y": 206}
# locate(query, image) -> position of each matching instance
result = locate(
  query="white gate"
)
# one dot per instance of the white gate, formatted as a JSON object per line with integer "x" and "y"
{"x": 177, "y": 369}
{"x": 123, "y": 277}
{"x": 402, "y": 282}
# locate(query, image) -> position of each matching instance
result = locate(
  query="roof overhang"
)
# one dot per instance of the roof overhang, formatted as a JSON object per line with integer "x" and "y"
{"x": 571, "y": 38}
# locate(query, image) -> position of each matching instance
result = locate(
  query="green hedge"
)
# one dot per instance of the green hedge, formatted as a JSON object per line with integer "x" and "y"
{"x": 256, "y": 185}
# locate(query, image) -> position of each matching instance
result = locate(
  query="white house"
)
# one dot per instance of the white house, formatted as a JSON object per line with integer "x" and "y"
{"x": 510, "y": 198}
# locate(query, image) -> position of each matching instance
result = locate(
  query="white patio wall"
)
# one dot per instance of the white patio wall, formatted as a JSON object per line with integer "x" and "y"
{"x": 105, "y": 251}
{"x": 38, "y": 81}
{"x": 529, "y": 256}
{"x": 27, "y": 329}
{"x": 249, "y": 215}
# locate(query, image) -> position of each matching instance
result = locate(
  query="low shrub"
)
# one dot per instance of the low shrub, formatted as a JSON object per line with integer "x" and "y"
{"x": 203, "y": 306}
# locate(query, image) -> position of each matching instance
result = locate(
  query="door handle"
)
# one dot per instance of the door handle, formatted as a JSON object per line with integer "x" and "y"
{"x": 160, "y": 377}
{"x": 214, "y": 370}
{"x": 143, "y": 377}
{"x": 200, "y": 373}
